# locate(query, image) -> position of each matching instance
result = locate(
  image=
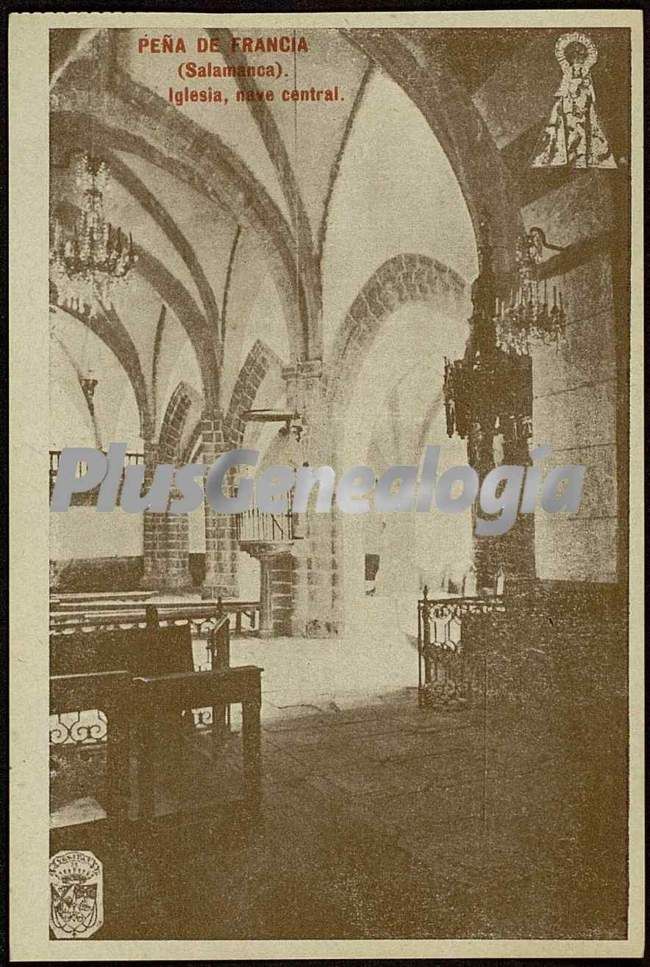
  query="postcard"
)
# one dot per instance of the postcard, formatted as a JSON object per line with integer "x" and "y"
{"x": 326, "y": 485}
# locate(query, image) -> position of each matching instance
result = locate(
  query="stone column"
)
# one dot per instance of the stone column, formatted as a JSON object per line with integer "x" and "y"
{"x": 276, "y": 588}
{"x": 152, "y": 525}
{"x": 220, "y": 544}
{"x": 165, "y": 539}
{"x": 176, "y": 551}
{"x": 513, "y": 551}
{"x": 266, "y": 599}
{"x": 315, "y": 598}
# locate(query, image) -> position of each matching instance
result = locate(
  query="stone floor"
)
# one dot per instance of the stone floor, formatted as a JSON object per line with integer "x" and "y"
{"x": 389, "y": 821}
{"x": 381, "y": 819}
{"x": 304, "y": 673}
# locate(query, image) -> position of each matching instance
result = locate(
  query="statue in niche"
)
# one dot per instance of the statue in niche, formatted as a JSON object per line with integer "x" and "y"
{"x": 574, "y": 136}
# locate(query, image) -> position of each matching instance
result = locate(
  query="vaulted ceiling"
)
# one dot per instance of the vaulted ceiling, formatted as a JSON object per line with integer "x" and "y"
{"x": 264, "y": 220}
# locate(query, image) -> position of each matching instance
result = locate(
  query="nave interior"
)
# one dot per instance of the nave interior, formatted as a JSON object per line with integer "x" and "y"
{"x": 331, "y": 725}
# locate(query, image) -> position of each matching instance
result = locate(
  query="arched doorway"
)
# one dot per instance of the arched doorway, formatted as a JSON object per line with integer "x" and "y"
{"x": 393, "y": 412}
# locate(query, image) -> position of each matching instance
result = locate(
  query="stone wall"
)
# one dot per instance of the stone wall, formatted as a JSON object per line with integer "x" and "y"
{"x": 580, "y": 390}
{"x": 574, "y": 411}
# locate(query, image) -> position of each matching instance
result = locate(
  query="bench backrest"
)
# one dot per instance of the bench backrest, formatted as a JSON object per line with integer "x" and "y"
{"x": 140, "y": 651}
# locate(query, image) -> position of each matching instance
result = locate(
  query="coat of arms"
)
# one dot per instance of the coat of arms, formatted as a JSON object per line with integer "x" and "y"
{"x": 76, "y": 895}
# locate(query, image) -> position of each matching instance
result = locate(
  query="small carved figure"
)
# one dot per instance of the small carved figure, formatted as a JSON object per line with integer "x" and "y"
{"x": 574, "y": 136}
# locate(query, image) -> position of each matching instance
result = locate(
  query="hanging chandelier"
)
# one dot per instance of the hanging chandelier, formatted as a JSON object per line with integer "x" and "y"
{"x": 488, "y": 391}
{"x": 485, "y": 391}
{"x": 528, "y": 316}
{"x": 87, "y": 261}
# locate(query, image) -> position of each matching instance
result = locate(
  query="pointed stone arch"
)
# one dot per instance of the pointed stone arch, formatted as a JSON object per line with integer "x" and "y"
{"x": 173, "y": 424}
{"x": 160, "y": 215}
{"x": 172, "y": 292}
{"x": 260, "y": 360}
{"x": 173, "y": 142}
{"x": 115, "y": 336}
{"x": 423, "y": 71}
{"x": 74, "y": 365}
{"x": 403, "y": 279}
{"x": 279, "y": 155}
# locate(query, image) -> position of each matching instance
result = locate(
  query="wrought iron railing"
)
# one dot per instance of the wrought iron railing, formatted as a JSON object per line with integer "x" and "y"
{"x": 442, "y": 670}
{"x": 109, "y": 615}
{"x": 211, "y": 650}
{"x": 83, "y": 727}
{"x": 254, "y": 526}
{"x": 86, "y": 498}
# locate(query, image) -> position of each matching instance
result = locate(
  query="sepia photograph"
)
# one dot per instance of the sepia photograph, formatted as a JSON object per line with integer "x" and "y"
{"x": 338, "y": 560}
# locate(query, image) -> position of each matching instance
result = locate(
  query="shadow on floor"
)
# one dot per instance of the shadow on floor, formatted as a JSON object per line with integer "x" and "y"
{"x": 387, "y": 821}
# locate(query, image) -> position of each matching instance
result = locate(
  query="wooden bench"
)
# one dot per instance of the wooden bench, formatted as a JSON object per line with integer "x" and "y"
{"x": 135, "y": 709}
{"x": 79, "y": 601}
{"x": 140, "y": 650}
{"x": 99, "y": 595}
{"x": 148, "y": 649}
{"x": 110, "y": 693}
{"x": 157, "y": 696}
{"x": 91, "y": 606}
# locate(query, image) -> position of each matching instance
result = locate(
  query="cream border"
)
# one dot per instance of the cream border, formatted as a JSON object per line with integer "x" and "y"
{"x": 28, "y": 154}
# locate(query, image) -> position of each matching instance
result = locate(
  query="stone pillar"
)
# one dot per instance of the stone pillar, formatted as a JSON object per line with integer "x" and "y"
{"x": 176, "y": 550}
{"x": 518, "y": 547}
{"x": 276, "y": 589}
{"x": 487, "y": 550}
{"x": 220, "y": 544}
{"x": 152, "y": 525}
{"x": 513, "y": 551}
{"x": 281, "y": 578}
{"x": 266, "y": 600}
{"x": 165, "y": 539}
{"x": 315, "y": 593}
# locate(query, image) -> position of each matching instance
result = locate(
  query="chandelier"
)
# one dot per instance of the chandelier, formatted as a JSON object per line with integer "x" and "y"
{"x": 488, "y": 391}
{"x": 485, "y": 391}
{"x": 89, "y": 260}
{"x": 527, "y": 316}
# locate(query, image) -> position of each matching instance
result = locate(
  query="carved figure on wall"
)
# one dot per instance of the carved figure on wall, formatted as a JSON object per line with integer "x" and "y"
{"x": 574, "y": 135}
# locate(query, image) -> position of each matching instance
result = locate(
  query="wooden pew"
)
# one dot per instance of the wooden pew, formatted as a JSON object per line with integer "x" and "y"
{"x": 86, "y": 665}
{"x": 91, "y": 606}
{"x": 149, "y": 649}
{"x": 139, "y": 650}
{"x": 78, "y": 600}
{"x": 156, "y": 697}
{"x": 136, "y": 708}
{"x": 109, "y": 692}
